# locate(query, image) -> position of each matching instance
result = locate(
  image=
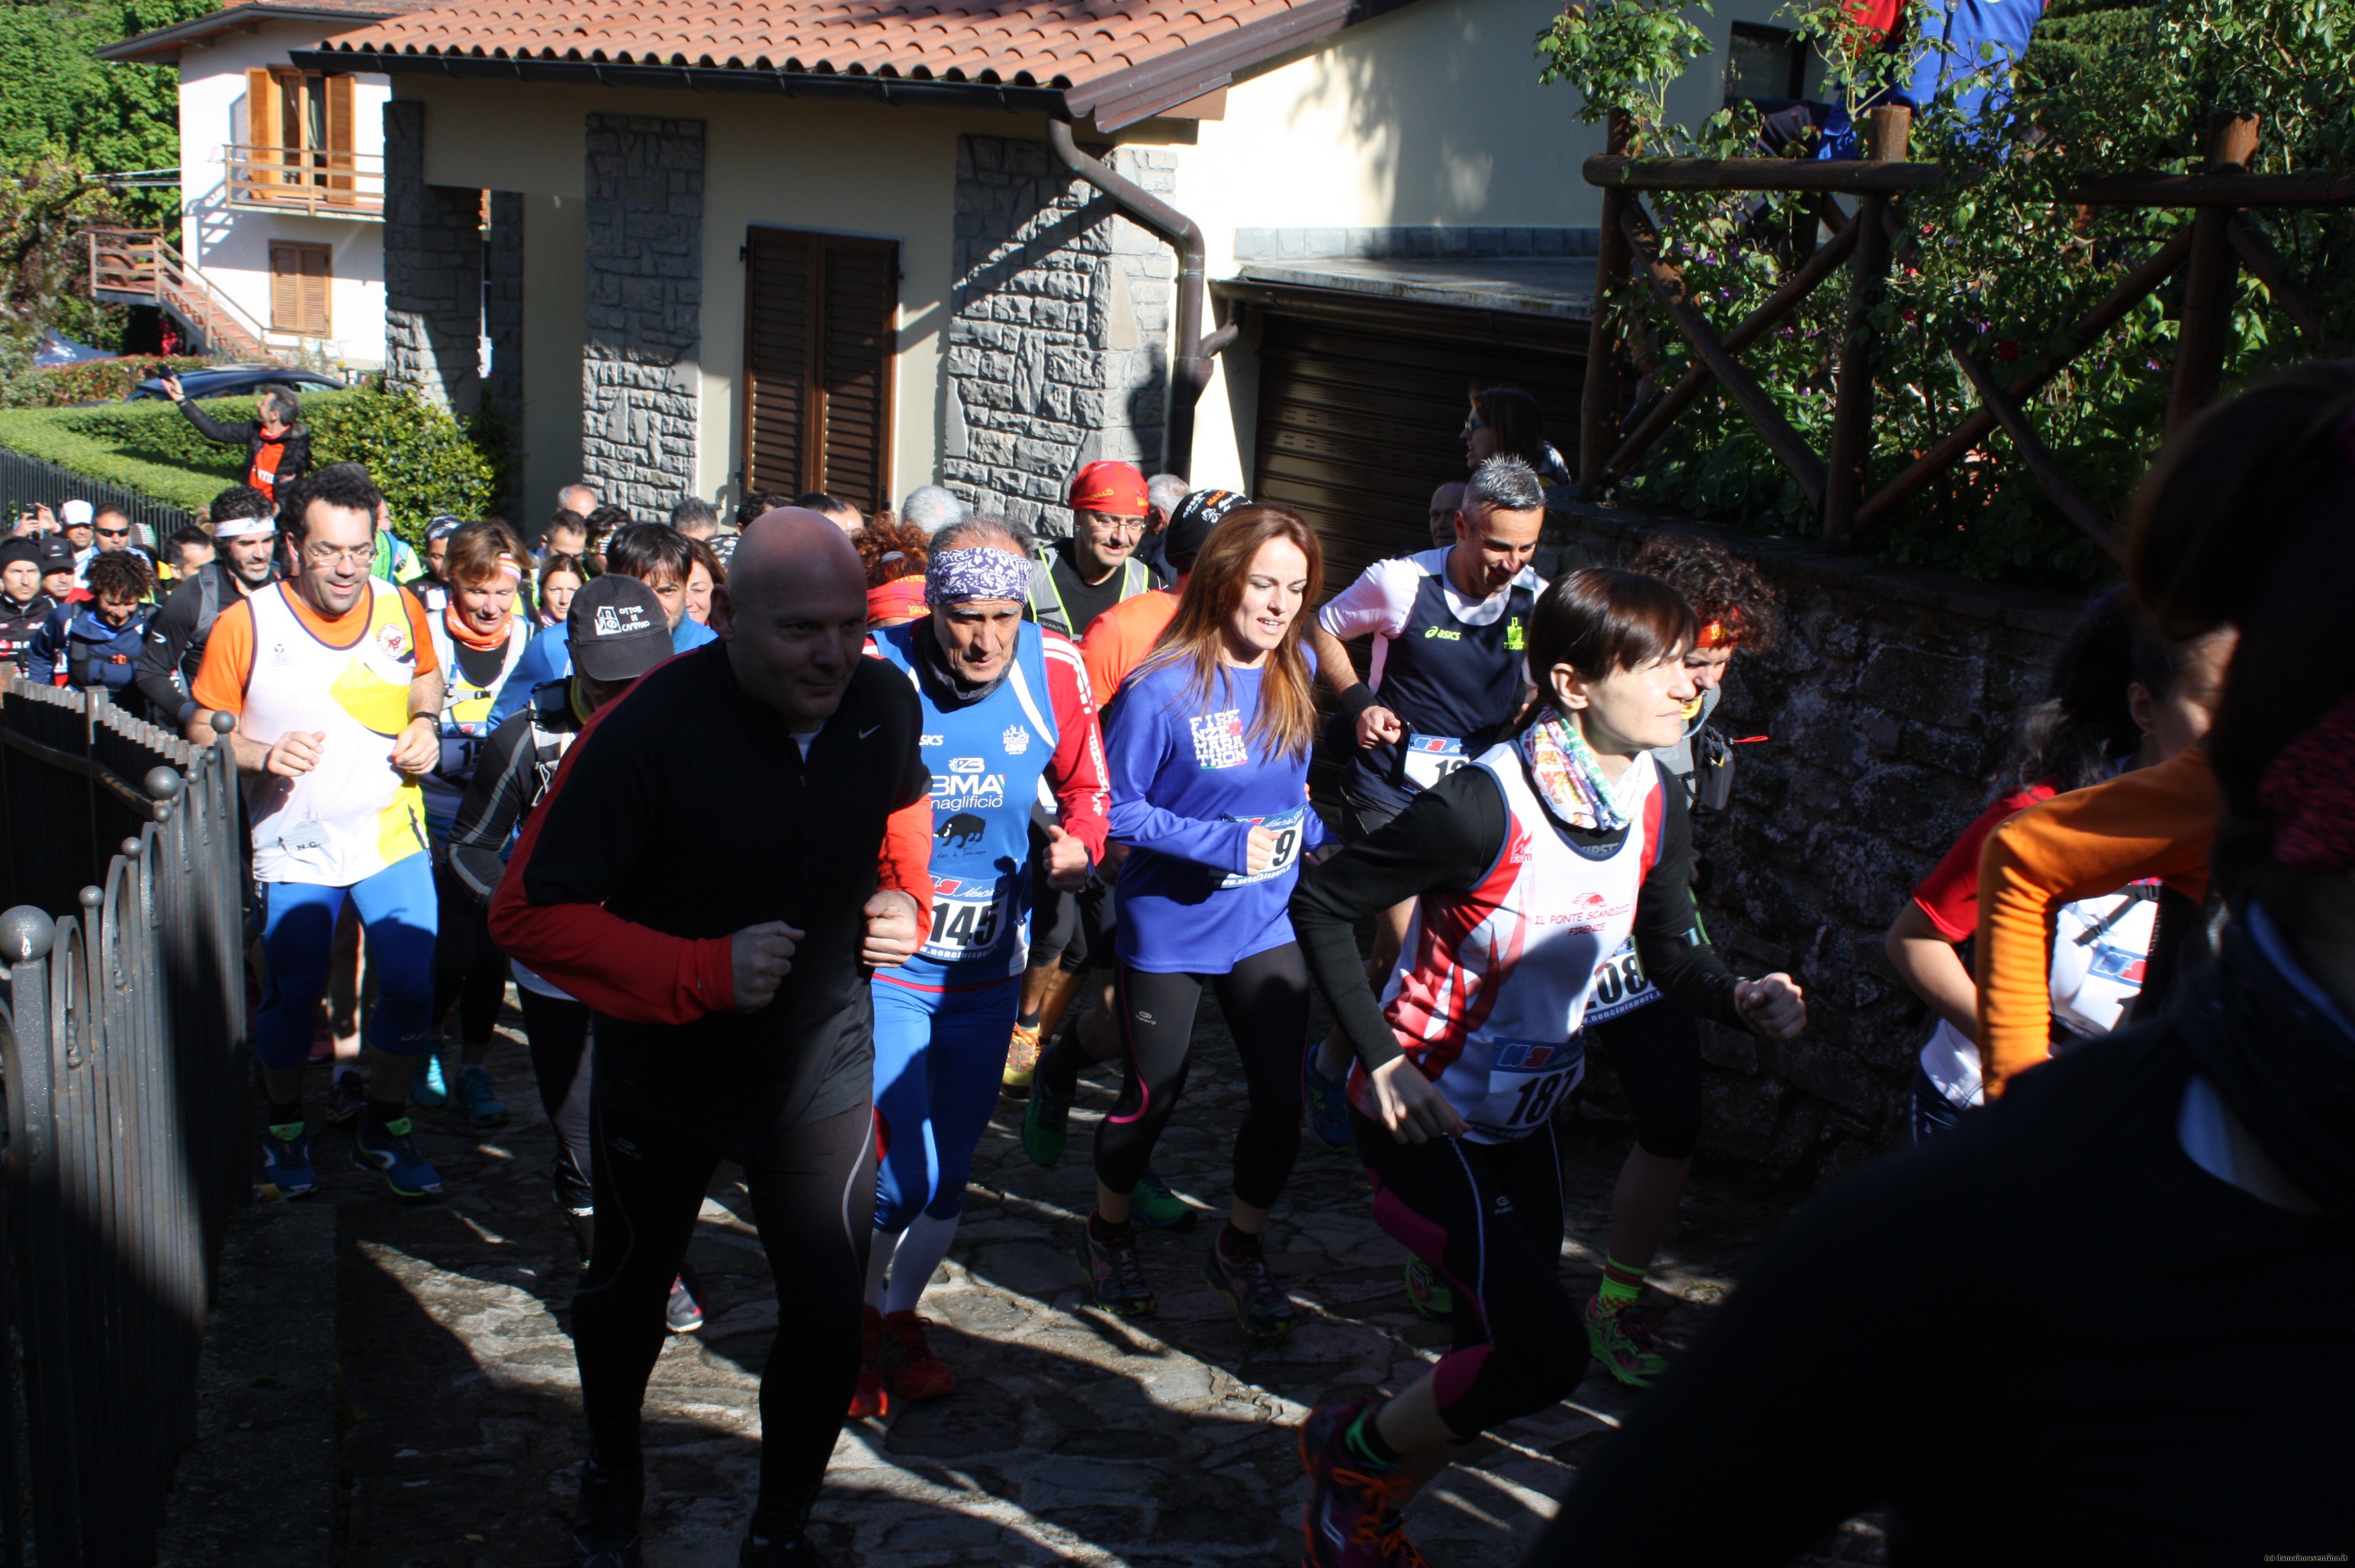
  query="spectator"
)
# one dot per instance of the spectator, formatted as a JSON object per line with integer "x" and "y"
{"x": 696, "y": 517}
{"x": 23, "y": 605}
{"x": 60, "y": 579}
{"x": 704, "y": 574}
{"x": 655, "y": 554}
{"x": 929, "y": 508}
{"x": 246, "y": 534}
{"x": 33, "y": 520}
{"x": 758, "y": 504}
{"x": 566, "y": 534}
{"x": 894, "y": 556}
{"x": 561, "y": 577}
{"x": 277, "y": 449}
{"x": 836, "y": 511}
{"x": 1164, "y": 494}
{"x": 74, "y": 524}
{"x": 94, "y": 645}
{"x": 1507, "y": 420}
{"x": 112, "y": 530}
{"x": 577, "y": 497}
{"x": 605, "y": 522}
{"x": 188, "y": 548}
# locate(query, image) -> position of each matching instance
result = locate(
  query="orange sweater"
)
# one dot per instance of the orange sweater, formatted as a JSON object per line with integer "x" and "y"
{"x": 2153, "y": 822}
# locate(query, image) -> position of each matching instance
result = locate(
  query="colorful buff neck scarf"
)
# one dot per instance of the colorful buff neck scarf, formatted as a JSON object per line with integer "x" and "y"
{"x": 1567, "y": 777}
{"x": 984, "y": 573}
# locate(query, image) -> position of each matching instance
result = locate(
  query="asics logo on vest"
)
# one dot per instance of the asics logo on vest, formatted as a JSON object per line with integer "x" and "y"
{"x": 1444, "y": 633}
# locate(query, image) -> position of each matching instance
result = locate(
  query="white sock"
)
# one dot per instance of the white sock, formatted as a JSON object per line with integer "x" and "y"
{"x": 882, "y": 1248}
{"x": 922, "y": 1247}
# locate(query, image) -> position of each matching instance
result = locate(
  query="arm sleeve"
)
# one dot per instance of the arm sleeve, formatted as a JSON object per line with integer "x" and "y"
{"x": 169, "y": 632}
{"x": 222, "y": 431}
{"x": 550, "y": 910}
{"x": 1445, "y": 841}
{"x": 1077, "y": 773}
{"x": 1104, "y": 651}
{"x": 1949, "y": 896}
{"x": 1377, "y": 603}
{"x": 536, "y": 669}
{"x": 228, "y": 663}
{"x": 1135, "y": 748}
{"x": 494, "y": 804}
{"x": 41, "y": 655}
{"x": 905, "y": 863}
{"x": 1689, "y": 973}
{"x": 2153, "y": 822}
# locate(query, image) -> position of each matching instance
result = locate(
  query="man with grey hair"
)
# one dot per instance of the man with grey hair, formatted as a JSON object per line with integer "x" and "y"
{"x": 277, "y": 449}
{"x": 577, "y": 497}
{"x": 1449, "y": 629}
{"x": 1164, "y": 494}
{"x": 929, "y": 508}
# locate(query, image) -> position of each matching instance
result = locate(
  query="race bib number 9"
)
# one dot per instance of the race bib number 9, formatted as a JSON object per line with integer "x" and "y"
{"x": 968, "y": 919}
{"x": 1430, "y": 758}
{"x": 1289, "y": 829}
{"x": 1620, "y": 986}
{"x": 1527, "y": 1078}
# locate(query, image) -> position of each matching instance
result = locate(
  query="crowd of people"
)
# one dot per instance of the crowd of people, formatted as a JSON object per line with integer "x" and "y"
{"x": 1025, "y": 798}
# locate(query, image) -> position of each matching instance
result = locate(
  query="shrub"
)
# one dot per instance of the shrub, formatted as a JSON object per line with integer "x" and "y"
{"x": 96, "y": 381}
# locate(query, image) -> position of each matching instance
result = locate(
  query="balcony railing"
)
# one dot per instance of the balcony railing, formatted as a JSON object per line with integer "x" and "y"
{"x": 304, "y": 179}
{"x": 139, "y": 266}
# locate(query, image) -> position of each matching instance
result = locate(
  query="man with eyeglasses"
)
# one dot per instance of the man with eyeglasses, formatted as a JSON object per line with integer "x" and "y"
{"x": 1097, "y": 568}
{"x": 111, "y": 531}
{"x": 332, "y": 681}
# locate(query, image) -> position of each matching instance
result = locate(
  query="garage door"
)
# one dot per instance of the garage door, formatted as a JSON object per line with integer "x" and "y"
{"x": 1359, "y": 420}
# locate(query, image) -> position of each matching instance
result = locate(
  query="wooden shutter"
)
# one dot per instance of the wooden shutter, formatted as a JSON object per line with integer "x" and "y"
{"x": 340, "y": 142}
{"x": 820, "y": 336}
{"x": 260, "y": 136}
{"x": 300, "y": 278}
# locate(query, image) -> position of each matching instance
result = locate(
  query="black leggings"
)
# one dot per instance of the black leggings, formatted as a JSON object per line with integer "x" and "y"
{"x": 1657, "y": 1050}
{"x": 468, "y": 968}
{"x": 1488, "y": 1217}
{"x": 558, "y": 1029}
{"x": 813, "y": 1189}
{"x": 1265, "y": 998}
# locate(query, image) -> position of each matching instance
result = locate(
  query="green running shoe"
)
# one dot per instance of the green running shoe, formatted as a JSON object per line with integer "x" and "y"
{"x": 1430, "y": 1295}
{"x": 1045, "y": 1121}
{"x": 1154, "y": 1207}
{"x": 1626, "y": 1342}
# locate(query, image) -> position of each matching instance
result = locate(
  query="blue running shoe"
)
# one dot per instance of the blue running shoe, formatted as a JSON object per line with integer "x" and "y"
{"x": 483, "y": 1108}
{"x": 1157, "y": 1208}
{"x": 1328, "y": 1104}
{"x": 286, "y": 1159}
{"x": 391, "y": 1152}
{"x": 429, "y": 1089}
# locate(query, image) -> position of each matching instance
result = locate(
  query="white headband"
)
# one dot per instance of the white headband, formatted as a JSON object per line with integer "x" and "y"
{"x": 239, "y": 527}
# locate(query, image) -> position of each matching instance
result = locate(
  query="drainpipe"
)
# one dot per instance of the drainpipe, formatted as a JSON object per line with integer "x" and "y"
{"x": 1195, "y": 351}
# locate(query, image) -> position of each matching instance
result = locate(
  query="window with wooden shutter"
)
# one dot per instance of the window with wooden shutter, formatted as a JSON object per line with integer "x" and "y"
{"x": 821, "y": 319}
{"x": 299, "y": 280}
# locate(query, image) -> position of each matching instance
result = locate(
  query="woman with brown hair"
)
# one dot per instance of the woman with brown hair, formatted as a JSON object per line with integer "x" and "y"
{"x": 1209, "y": 763}
{"x": 894, "y": 555}
{"x": 1507, "y": 421}
{"x": 561, "y": 577}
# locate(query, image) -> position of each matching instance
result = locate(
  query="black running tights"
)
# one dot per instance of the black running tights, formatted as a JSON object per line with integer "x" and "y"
{"x": 468, "y": 968}
{"x": 813, "y": 1190}
{"x": 1265, "y": 999}
{"x": 558, "y": 1029}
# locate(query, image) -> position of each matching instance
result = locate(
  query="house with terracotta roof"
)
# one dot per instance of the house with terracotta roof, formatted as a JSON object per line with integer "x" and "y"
{"x": 860, "y": 245}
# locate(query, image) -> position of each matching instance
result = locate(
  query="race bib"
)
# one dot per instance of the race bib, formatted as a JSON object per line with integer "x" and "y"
{"x": 969, "y": 917}
{"x": 1289, "y": 829}
{"x": 1620, "y": 986}
{"x": 1430, "y": 758}
{"x": 458, "y": 754}
{"x": 1527, "y": 1078}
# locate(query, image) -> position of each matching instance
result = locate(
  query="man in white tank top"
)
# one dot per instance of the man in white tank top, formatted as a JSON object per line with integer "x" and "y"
{"x": 334, "y": 682}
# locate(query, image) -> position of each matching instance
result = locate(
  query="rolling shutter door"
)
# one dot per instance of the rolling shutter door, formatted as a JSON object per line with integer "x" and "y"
{"x": 1359, "y": 423}
{"x": 820, "y": 329}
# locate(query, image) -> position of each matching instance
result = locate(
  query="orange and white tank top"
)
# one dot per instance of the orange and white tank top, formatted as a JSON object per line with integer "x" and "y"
{"x": 353, "y": 815}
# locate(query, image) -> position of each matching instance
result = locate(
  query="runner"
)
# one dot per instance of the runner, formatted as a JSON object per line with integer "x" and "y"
{"x": 655, "y": 554}
{"x": 1447, "y": 679}
{"x": 245, "y": 530}
{"x": 1528, "y": 868}
{"x": 894, "y": 555}
{"x": 1446, "y": 513}
{"x": 94, "y": 645}
{"x": 732, "y": 1014}
{"x": 1656, "y": 1050}
{"x": 1209, "y": 771}
{"x": 478, "y": 640}
{"x": 561, "y": 577}
{"x": 1006, "y": 707}
{"x": 333, "y": 728}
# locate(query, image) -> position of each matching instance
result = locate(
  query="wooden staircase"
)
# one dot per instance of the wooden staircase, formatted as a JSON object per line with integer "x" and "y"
{"x": 139, "y": 266}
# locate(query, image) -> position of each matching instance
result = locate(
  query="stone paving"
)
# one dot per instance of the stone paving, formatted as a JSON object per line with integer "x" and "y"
{"x": 1074, "y": 1437}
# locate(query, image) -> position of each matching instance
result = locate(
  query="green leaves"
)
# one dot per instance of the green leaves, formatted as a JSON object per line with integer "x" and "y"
{"x": 1621, "y": 54}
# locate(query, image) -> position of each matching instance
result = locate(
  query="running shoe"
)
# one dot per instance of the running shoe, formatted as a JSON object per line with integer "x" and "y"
{"x": 1021, "y": 1060}
{"x": 1046, "y": 1120}
{"x": 1398, "y": 1551}
{"x": 286, "y": 1161}
{"x": 481, "y": 1100}
{"x": 1328, "y": 1104}
{"x": 429, "y": 1089}
{"x": 391, "y": 1152}
{"x": 1351, "y": 1518}
{"x": 605, "y": 1524}
{"x": 1154, "y": 1206}
{"x": 799, "y": 1552}
{"x": 1116, "y": 1279}
{"x": 683, "y": 1313}
{"x": 346, "y": 1098}
{"x": 583, "y": 1222}
{"x": 916, "y": 1374}
{"x": 1429, "y": 1295}
{"x": 1262, "y": 1309}
{"x": 1626, "y": 1342}
{"x": 870, "y": 1397}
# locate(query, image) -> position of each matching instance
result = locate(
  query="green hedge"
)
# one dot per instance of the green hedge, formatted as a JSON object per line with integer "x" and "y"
{"x": 424, "y": 460}
{"x": 95, "y": 380}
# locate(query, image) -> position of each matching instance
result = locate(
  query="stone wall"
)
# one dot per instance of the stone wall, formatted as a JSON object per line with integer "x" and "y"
{"x": 503, "y": 321}
{"x": 433, "y": 271}
{"x": 1890, "y": 707}
{"x": 1059, "y": 328}
{"x": 640, "y": 372}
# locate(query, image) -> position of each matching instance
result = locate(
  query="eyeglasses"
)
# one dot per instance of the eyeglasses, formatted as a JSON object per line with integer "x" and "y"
{"x": 1474, "y": 421}
{"x": 114, "y": 533}
{"x": 1104, "y": 522}
{"x": 333, "y": 555}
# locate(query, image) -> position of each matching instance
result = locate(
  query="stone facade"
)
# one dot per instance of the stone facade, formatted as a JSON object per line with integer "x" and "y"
{"x": 433, "y": 271}
{"x": 1890, "y": 707}
{"x": 645, "y": 262}
{"x": 502, "y": 319}
{"x": 1059, "y": 329}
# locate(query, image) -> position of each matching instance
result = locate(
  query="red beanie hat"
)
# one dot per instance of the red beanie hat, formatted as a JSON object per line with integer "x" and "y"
{"x": 1114, "y": 487}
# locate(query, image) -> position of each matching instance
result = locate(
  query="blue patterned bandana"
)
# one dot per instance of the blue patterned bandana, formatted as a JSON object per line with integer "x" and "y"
{"x": 984, "y": 573}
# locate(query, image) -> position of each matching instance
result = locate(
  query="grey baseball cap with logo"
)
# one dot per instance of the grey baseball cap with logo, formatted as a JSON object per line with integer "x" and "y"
{"x": 617, "y": 629}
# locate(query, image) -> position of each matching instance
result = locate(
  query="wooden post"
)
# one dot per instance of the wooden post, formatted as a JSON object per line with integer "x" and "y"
{"x": 1598, "y": 411}
{"x": 2209, "y": 283}
{"x": 1887, "y": 131}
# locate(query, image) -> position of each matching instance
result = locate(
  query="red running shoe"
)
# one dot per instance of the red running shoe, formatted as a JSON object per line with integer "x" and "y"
{"x": 916, "y": 1373}
{"x": 1351, "y": 1520}
{"x": 868, "y": 1398}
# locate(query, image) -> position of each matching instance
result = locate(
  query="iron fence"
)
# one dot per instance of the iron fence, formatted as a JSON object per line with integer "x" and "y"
{"x": 26, "y": 480}
{"x": 122, "y": 1064}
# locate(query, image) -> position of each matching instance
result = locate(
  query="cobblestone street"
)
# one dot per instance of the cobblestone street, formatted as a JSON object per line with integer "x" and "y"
{"x": 1075, "y": 1438}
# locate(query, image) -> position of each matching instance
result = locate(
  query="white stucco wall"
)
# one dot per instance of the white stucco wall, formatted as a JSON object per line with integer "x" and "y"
{"x": 231, "y": 245}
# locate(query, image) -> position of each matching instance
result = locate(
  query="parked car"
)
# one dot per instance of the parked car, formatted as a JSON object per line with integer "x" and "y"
{"x": 229, "y": 380}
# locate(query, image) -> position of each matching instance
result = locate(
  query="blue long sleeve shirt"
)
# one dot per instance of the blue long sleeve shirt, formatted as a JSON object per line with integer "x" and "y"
{"x": 549, "y": 658}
